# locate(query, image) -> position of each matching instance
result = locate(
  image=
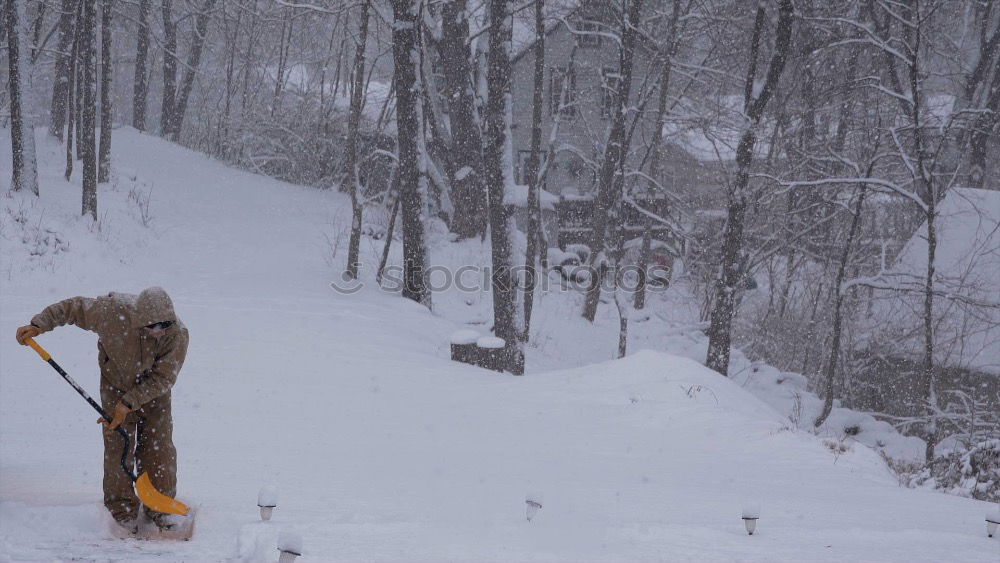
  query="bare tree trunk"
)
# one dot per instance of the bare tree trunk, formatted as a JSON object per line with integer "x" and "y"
{"x": 22, "y": 131}
{"x": 531, "y": 169}
{"x": 286, "y": 37}
{"x": 614, "y": 154}
{"x": 71, "y": 90}
{"x": 654, "y": 159}
{"x": 986, "y": 130}
{"x": 60, "y": 83}
{"x": 928, "y": 381}
{"x": 928, "y": 188}
{"x": 412, "y": 154}
{"x": 620, "y": 303}
{"x": 438, "y": 145}
{"x": 78, "y": 94}
{"x": 644, "y": 251}
{"x": 88, "y": 125}
{"x": 394, "y": 193}
{"x": 982, "y": 129}
{"x": 193, "y": 62}
{"x": 732, "y": 266}
{"x": 36, "y": 31}
{"x": 321, "y": 123}
{"x": 467, "y": 191}
{"x": 140, "y": 85}
{"x": 496, "y": 157}
{"x": 247, "y": 63}
{"x": 831, "y": 365}
{"x": 353, "y": 124}
{"x": 104, "y": 158}
{"x": 168, "y": 102}
{"x": 232, "y": 78}
{"x": 336, "y": 83}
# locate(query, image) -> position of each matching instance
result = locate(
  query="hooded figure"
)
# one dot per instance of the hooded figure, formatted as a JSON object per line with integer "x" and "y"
{"x": 140, "y": 348}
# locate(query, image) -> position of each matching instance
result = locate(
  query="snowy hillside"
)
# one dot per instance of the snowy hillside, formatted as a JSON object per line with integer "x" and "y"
{"x": 381, "y": 448}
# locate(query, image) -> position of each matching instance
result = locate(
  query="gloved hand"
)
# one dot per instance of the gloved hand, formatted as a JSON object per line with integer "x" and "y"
{"x": 27, "y": 331}
{"x": 117, "y": 417}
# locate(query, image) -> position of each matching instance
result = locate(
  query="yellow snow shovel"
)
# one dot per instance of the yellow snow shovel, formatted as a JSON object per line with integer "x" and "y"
{"x": 143, "y": 486}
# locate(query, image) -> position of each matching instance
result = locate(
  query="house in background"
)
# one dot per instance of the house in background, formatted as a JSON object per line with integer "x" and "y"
{"x": 966, "y": 310}
{"x": 586, "y": 63}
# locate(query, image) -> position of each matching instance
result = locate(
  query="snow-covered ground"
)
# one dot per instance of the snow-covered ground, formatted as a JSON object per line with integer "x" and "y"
{"x": 380, "y": 447}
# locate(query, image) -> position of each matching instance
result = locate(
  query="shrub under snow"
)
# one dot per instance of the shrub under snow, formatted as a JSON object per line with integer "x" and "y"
{"x": 974, "y": 472}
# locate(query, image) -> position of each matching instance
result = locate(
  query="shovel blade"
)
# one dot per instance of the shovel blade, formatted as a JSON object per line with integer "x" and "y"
{"x": 156, "y": 500}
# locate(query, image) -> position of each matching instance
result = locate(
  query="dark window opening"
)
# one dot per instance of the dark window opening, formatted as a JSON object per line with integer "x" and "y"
{"x": 588, "y": 34}
{"x": 610, "y": 81}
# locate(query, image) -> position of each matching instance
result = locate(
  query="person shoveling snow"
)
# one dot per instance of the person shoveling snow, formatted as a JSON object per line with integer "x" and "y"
{"x": 141, "y": 348}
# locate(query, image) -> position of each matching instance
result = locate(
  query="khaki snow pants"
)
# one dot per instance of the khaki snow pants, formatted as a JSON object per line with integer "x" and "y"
{"x": 150, "y": 430}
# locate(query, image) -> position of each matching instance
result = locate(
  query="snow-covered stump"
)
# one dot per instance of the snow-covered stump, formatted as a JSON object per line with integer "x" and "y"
{"x": 491, "y": 352}
{"x": 463, "y": 347}
{"x": 267, "y": 500}
{"x": 289, "y": 546}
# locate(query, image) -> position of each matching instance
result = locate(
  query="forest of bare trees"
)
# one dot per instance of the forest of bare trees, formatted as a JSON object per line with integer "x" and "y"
{"x": 798, "y": 149}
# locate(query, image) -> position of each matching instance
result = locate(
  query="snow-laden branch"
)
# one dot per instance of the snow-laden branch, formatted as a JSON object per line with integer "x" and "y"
{"x": 674, "y": 227}
{"x": 319, "y": 9}
{"x": 910, "y": 283}
{"x": 612, "y": 36}
{"x": 876, "y": 182}
{"x": 871, "y": 38}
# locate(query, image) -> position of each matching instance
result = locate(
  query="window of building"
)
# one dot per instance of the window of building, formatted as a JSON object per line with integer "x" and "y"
{"x": 610, "y": 80}
{"x": 588, "y": 34}
{"x": 560, "y": 78}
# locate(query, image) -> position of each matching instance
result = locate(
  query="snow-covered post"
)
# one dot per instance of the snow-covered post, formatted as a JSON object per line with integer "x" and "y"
{"x": 533, "y": 503}
{"x": 290, "y": 546}
{"x": 751, "y": 513}
{"x": 992, "y": 521}
{"x": 267, "y": 500}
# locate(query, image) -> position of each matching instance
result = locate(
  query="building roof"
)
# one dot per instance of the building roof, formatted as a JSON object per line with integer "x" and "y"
{"x": 967, "y": 263}
{"x": 523, "y": 32}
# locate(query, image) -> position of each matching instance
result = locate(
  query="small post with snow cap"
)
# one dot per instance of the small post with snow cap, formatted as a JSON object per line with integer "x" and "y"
{"x": 267, "y": 500}
{"x": 751, "y": 513}
{"x": 290, "y": 546}
{"x": 533, "y": 503}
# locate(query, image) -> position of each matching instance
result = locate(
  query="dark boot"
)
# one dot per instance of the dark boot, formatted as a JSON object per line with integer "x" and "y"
{"x": 127, "y": 521}
{"x": 165, "y": 522}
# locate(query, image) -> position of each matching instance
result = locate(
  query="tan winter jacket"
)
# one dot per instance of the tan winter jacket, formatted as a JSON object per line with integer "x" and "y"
{"x": 136, "y": 363}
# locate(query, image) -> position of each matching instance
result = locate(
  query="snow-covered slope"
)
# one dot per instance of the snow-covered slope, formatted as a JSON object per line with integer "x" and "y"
{"x": 380, "y": 447}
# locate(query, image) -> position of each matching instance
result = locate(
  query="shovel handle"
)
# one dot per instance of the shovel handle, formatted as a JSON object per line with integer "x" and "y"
{"x": 37, "y": 348}
{"x": 48, "y": 358}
